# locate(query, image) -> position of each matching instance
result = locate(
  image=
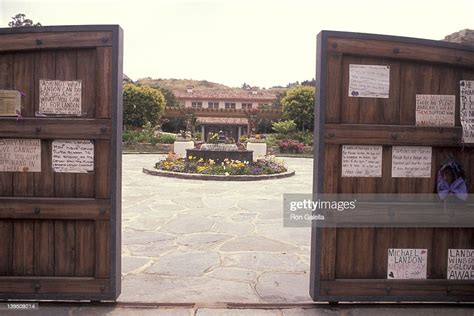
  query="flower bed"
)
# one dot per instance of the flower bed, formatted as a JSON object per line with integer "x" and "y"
{"x": 265, "y": 166}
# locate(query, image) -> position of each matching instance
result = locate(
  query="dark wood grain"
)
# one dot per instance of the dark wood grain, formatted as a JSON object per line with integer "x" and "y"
{"x": 6, "y": 247}
{"x": 19, "y": 42}
{"x": 23, "y": 247}
{"x": 6, "y": 83}
{"x": 65, "y": 248}
{"x": 44, "y": 248}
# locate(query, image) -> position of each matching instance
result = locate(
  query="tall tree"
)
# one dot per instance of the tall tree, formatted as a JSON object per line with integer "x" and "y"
{"x": 20, "y": 20}
{"x": 298, "y": 105}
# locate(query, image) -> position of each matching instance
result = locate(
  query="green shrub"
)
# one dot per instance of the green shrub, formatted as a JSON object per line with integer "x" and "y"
{"x": 284, "y": 127}
{"x": 141, "y": 104}
{"x": 166, "y": 139}
{"x": 303, "y": 137}
{"x": 271, "y": 140}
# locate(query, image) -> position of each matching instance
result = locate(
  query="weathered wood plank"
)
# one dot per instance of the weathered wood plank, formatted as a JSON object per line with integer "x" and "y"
{"x": 104, "y": 82}
{"x": 334, "y": 93}
{"x": 54, "y": 208}
{"x": 61, "y": 285}
{"x": 23, "y": 67}
{"x": 398, "y": 50}
{"x": 102, "y": 169}
{"x": 65, "y": 248}
{"x": 66, "y": 69}
{"x": 44, "y": 248}
{"x": 6, "y": 247}
{"x": 18, "y": 42}
{"x": 85, "y": 248}
{"x": 23, "y": 247}
{"x": 395, "y": 135}
{"x": 49, "y": 128}
{"x": 102, "y": 249}
{"x": 6, "y": 82}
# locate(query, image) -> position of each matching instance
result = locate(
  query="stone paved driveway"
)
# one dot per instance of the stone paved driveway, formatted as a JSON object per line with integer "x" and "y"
{"x": 211, "y": 241}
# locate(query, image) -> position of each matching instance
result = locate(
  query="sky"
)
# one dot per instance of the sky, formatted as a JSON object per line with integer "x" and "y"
{"x": 260, "y": 42}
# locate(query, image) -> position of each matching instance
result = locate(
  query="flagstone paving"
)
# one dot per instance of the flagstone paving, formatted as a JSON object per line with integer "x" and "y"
{"x": 207, "y": 241}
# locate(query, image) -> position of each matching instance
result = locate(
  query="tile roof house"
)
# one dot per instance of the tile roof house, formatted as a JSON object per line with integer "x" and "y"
{"x": 229, "y": 110}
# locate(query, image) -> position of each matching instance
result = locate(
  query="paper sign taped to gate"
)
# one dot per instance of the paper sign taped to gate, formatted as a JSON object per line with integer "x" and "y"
{"x": 411, "y": 161}
{"x": 73, "y": 156}
{"x": 20, "y": 155}
{"x": 10, "y": 102}
{"x": 460, "y": 264}
{"x": 369, "y": 81}
{"x": 361, "y": 161}
{"x": 407, "y": 263}
{"x": 435, "y": 110}
{"x": 60, "y": 97}
{"x": 467, "y": 110}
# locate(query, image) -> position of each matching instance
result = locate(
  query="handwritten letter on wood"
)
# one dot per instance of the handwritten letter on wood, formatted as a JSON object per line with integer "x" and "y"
{"x": 467, "y": 110}
{"x": 411, "y": 161}
{"x": 73, "y": 156}
{"x": 20, "y": 155}
{"x": 435, "y": 110}
{"x": 369, "y": 81}
{"x": 361, "y": 161}
{"x": 60, "y": 97}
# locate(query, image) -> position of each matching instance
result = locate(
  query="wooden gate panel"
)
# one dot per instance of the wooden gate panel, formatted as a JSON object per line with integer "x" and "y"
{"x": 351, "y": 263}
{"x": 60, "y": 232}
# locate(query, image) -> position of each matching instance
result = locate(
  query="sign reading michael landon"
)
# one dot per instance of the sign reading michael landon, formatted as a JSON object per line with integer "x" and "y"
{"x": 20, "y": 155}
{"x": 59, "y": 97}
{"x": 73, "y": 156}
{"x": 407, "y": 263}
{"x": 10, "y": 102}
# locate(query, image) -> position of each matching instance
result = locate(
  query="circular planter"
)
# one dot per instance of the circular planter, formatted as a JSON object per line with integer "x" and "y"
{"x": 197, "y": 176}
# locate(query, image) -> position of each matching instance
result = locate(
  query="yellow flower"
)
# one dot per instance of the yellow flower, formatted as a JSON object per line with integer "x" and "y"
{"x": 226, "y": 173}
{"x": 211, "y": 162}
{"x": 201, "y": 160}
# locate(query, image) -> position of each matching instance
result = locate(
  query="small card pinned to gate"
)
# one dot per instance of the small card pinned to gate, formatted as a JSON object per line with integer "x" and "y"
{"x": 460, "y": 264}
{"x": 435, "y": 110}
{"x": 361, "y": 161}
{"x": 369, "y": 81}
{"x": 467, "y": 110}
{"x": 411, "y": 161}
{"x": 10, "y": 102}
{"x": 73, "y": 156}
{"x": 406, "y": 263}
{"x": 20, "y": 155}
{"x": 57, "y": 97}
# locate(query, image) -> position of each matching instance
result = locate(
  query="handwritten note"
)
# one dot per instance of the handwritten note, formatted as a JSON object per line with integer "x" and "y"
{"x": 467, "y": 110}
{"x": 20, "y": 155}
{"x": 60, "y": 97}
{"x": 369, "y": 81}
{"x": 361, "y": 161}
{"x": 10, "y": 102}
{"x": 411, "y": 162}
{"x": 435, "y": 110}
{"x": 73, "y": 156}
{"x": 407, "y": 263}
{"x": 460, "y": 264}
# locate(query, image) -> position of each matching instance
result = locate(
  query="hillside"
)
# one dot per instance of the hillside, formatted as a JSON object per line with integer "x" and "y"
{"x": 181, "y": 84}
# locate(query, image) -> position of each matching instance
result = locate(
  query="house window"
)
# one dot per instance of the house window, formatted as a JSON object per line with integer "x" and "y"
{"x": 213, "y": 105}
{"x": 196, "y": 104}
{"x": 230, "y": 105}
{"x": 247, "y": 105}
